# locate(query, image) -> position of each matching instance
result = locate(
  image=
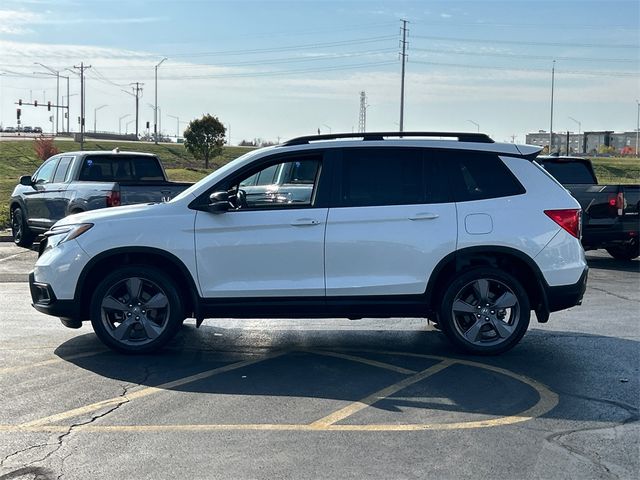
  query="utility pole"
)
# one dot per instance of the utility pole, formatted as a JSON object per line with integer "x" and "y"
{"x": 138, "y": 91}
{"x": 82, "y": 68}
{"x": 155, "y": 110}
{"x": 362, "y": 119}
{"x": 404, "y": 59}
{"x": 553, "y": 73}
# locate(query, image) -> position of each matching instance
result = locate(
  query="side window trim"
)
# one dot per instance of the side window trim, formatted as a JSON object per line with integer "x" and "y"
{"x": 63, "y": 158}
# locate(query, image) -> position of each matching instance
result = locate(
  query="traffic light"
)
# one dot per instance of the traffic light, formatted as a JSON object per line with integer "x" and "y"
{"x": 147, "y": 125}
{"x": 20, "y": 102}
{"x": 35, "y": 103}
{"x": 18, "y": 112}
{"x": 48, "y": 106}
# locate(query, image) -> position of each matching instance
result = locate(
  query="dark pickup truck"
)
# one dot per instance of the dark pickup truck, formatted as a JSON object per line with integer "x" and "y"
{"x": 75, "y": 182}
{"x": 610, "y": 217}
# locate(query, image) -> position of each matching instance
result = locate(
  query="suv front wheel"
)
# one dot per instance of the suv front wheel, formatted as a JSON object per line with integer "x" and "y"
{"x": 136, "y": 309}
{"x": 485, "y": 311}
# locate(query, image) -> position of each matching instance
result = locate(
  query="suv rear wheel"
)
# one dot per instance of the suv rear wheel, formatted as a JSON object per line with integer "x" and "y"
{"x": 485, "y": 311}
{"x": 136, "y": 309}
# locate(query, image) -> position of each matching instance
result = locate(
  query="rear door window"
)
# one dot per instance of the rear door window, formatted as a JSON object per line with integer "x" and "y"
{"x": 478, "y": 176}
{"x": 388, "y": 176}
{"x": 121, "y": 168}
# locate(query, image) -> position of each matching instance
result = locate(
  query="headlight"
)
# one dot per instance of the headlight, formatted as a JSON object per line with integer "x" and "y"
{"x": 58, "y": 235}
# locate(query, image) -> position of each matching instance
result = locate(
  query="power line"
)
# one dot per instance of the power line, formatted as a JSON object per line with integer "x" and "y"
{"x": 535, "y": 44}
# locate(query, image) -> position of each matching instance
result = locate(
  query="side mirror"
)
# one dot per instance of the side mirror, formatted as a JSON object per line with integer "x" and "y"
{"x": 219, "y": 202}
{"x": 26, "y": 181}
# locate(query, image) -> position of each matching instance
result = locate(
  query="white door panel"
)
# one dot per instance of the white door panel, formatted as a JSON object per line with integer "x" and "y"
{"x": 388, "y": 250}
{"x": 261, "y": 253}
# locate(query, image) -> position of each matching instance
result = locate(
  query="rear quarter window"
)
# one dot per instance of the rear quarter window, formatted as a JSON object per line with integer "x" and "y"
{"x": 479, "y": 176}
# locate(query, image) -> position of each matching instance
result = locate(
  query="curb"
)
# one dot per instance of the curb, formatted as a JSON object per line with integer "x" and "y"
{"x": 5, "y": 236}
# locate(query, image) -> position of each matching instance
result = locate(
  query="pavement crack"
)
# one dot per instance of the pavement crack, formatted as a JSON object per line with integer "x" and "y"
{"x": 61, "y": 438}
{"x": 622, "y": 297}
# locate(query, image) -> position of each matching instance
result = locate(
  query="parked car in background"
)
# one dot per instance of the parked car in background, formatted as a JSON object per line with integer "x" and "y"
{"x": 37, "y": 129}
{"x": 10, "y": 130}
{"x": 610, "y": 213}
{"x": 75, "y": 182}
{"x": 467, "y": 232}
{"x": 27, "y": 129}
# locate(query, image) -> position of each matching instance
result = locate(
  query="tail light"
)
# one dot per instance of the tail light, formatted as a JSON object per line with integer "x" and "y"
{"x": 113, "y": 198}
{"x": 616, "y": 203}
{"x": 570, "y": 219}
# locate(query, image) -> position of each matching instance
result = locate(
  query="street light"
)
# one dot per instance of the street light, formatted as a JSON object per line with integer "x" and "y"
{"x": 126, "y": 126}
{"x": 57, "y": 74}
{"x": 476, "y": 124}
{"x": 579, "y": 128}
{"x": 120, "y": 122}
{"x": 325, "y": 125}
{"x": 95, "y": 111}
{"x": 155, "y": 111}
{"x": 177, "y": 125}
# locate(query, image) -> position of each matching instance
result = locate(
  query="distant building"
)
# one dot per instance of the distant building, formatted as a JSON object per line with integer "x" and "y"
{"x": 585, "y": 143}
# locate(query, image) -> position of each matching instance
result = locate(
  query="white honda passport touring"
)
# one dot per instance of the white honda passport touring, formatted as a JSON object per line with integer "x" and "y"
{"x": 447, "y": 226}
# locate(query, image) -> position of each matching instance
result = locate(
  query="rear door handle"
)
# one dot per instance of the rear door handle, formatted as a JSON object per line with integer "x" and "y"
{"x": 303, "y": 222}
{"x": 424, "y": 216}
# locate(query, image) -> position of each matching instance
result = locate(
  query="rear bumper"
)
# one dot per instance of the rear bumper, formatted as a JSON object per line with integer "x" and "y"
{"x": 618, "y": 233}
{"x": 567, "y": 296}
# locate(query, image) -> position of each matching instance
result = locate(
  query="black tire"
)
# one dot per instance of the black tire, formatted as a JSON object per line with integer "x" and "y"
{"x": 625, "y": 252}
{"x": 483, "y": 327}
{"x": 22, "y": 235}
{"x": 136, "y": 309}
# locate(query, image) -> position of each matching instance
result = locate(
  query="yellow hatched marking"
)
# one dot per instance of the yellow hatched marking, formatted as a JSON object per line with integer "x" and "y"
{"x": 379, "y": 395}
{"x": 366, "y": 361}
{"x": 144, "y": 392}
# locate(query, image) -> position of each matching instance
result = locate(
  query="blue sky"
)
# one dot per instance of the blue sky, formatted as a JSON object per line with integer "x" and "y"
{"x": 280, "y": 69}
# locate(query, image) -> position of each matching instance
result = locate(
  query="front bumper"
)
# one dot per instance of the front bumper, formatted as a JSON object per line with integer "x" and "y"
{"x": 45, "y": 301}
{"x": 567, "y": 296}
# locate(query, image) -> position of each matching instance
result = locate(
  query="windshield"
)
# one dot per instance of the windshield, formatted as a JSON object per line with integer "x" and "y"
{"x": 216, "y": 175}
{"x": 567, "y": 172}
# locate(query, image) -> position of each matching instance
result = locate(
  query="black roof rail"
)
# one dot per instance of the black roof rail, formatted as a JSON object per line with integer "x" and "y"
{"x": 461, "y": 136}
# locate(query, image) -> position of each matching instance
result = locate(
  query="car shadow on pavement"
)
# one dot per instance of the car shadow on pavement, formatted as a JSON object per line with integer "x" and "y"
{"x": 593, "y": 376}
{"x": 610, "y": 263}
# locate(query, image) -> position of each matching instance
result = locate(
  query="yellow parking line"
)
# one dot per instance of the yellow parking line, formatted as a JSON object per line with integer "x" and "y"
{"x": 145, "y": 392}
{"x": 379, "y": 395}
{"x": 52, "y": 361}
{"x": 366, "y": 361}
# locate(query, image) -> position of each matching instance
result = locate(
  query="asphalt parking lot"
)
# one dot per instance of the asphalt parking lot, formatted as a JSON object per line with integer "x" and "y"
{"x": 241, "y": 399}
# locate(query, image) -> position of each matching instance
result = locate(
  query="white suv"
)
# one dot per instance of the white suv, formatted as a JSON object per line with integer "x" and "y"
{"x": 452, "y": 227}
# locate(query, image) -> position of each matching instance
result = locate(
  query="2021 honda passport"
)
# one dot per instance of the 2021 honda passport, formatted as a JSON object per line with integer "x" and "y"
{"x": 448, "y": 226}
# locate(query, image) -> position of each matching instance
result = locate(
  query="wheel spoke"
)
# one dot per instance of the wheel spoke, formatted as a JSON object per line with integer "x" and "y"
{"x": 123, "y": 329}
{"x": 501, "y": 328}
{"x": 506, "y": 300}
{"x": 481, "y": 287}
{"x": 474, "y": 332}
{"x": 151, "y": 329}
{"x": 134, "y": 286}
{"x": 460, "y": 306}
{"x": 111, "y": 303}
{"x": 159, "y": 300}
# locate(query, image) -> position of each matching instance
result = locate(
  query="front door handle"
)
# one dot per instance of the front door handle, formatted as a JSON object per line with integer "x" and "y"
{"x": 303, "y": 222}
{"x": 424, "y": 216}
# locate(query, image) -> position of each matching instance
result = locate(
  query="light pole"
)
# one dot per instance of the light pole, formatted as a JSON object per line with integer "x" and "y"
{"x": 637, "y": 128}
{"x": 553, "y": 74}
{"x": 67, "y": 104}
{"x": 95, "y": 111}
{"x": 325, "y": 125}
{"x": 126, "y": 126}
{"x": 177, "y": 125}
{"x": 579, "y": 129}
{"x": 155, "y": 111}
{"x": 476, "y": 124}
{"x": 57, "y": 74}
{"x": 120, "y": 122}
